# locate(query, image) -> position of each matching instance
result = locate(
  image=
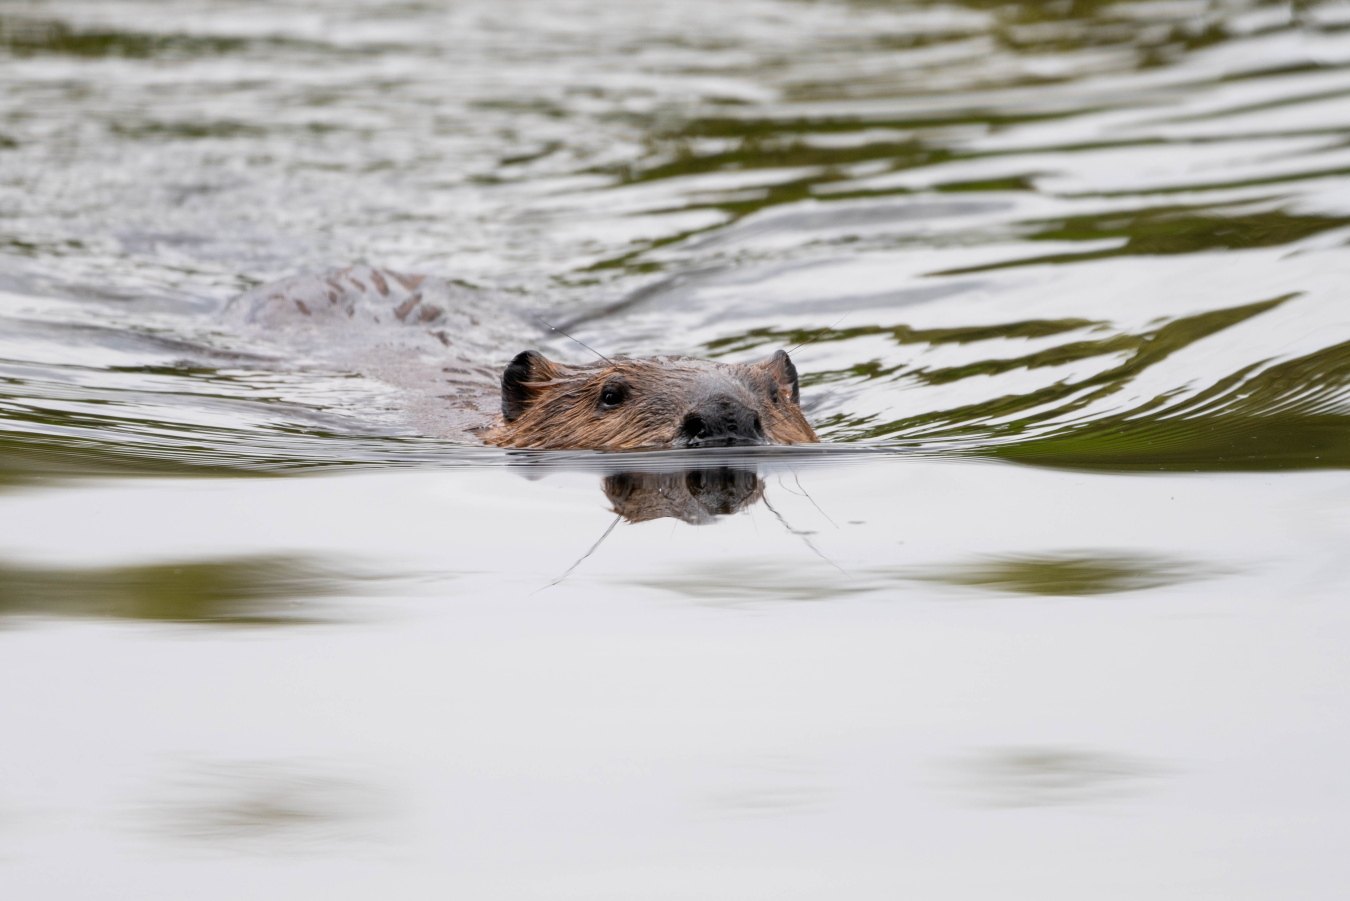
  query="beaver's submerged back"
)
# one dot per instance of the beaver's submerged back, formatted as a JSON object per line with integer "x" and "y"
{"x": 441, "y": 343}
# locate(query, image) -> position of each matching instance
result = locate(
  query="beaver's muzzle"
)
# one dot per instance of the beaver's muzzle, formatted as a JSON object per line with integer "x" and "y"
{"x": 721, "y": 422}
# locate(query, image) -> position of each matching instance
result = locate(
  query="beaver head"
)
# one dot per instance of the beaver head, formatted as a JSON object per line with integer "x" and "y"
{"x": 656, "y": 402}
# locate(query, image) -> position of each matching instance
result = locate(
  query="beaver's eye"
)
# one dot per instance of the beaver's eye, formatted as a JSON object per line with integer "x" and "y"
{"x": 612, "y": 395}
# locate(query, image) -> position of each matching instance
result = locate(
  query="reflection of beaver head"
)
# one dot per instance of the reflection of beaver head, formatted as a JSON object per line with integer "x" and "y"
{"x": 657, "y": 402}
{"x": 696, "y": 496}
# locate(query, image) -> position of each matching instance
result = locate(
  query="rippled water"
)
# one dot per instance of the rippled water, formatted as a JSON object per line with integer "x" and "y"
{"x": 1090, "y": 235}
{"x": 1106, "y": 239}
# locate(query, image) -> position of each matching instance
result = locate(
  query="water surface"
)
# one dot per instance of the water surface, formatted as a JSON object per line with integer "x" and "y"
{"x": 1057, "y": 611}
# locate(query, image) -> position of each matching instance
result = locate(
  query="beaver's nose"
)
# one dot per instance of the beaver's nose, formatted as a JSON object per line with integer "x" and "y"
{"x": 721, "y": 422}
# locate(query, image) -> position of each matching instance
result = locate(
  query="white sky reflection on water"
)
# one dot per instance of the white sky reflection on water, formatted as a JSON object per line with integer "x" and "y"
{"x": 611, "y": 736}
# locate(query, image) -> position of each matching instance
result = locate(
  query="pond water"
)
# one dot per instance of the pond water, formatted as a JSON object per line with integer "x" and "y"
{"x": 1053, "y": 613}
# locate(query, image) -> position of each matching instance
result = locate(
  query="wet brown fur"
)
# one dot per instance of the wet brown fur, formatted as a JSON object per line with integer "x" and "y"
{"x": 559, "y": 406}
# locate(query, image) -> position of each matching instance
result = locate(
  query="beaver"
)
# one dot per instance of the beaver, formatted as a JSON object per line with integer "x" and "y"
{"x": 439, "y": 340}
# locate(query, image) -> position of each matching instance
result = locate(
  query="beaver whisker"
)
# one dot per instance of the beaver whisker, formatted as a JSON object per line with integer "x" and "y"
{"x": 597, "y": 544}
{"x": 806, "y": 494}
{"x": 582, "y": 343}
{"x": 803, "y": 536}
{"x": 816, "y": 337}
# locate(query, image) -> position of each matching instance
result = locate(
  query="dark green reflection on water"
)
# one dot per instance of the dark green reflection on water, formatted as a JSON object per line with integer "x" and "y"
{"x": 249, "y": 591}
{"x": 24, "y": 37}
{"x": 187, "y": 130}
{"x": 1046, "y": 776}
{"x": 1065, "y": 575}
{"x": 30, "y": 459}
{"x": 765, "y": 145}
{"x": 1072, "y": 574}
{"x": 900, "y": 334}
{"x": 1290, "y": 415}
{"x": 1065, "y": 26}
{"x": 268, "y": 806}
{"x": 1170, "y": 230}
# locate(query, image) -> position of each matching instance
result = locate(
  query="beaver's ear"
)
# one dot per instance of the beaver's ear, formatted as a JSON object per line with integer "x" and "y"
{"x": 518, "y": 391}
{"x": 784, "y": 373}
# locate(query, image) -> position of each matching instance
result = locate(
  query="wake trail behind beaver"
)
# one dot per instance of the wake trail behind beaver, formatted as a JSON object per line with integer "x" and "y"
{"x": 442, "y": 344}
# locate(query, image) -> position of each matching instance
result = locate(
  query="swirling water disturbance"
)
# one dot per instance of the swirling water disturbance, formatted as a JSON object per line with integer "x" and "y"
{"x": 1104, "y": 239}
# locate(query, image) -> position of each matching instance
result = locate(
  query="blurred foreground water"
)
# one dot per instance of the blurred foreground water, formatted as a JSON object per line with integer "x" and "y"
{"x": 1107, "y": 240}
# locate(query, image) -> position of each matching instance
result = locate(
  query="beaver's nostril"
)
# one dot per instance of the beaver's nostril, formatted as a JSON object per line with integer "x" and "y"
{"x": 759, "y": 426}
